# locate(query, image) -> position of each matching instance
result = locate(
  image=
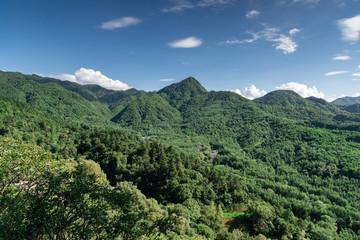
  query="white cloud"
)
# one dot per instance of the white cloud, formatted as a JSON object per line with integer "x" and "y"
{"x": 335, "y": 73}
{"x": 65, "y": 77}
{"x": 285, "y": 43}
{"x": 249, "y": 40}
{"x": 307, "y": 1}
{"x": 294, "y": 31}
{"x": 89, "y": 76}
{"x": 282, "y": 42}
{"x": 350, "y": 28}
{"x": 342, "y": 58}
{"x": 358, "y": 67}
{"x": 251, "y": 92}
{"x": 356, "y": 74}
{"x": 301, "y": 89}
{"x": 39, "y": 74}
{"x": 167, "y": 79}
{"x": 120, "y": 23}
{"x": 252, "y": 14}
{"x": 189, "y": 42}
{"x": 237, "y": 91}
{"x": 181, "y": 5}
{"x": 334, "y": 97}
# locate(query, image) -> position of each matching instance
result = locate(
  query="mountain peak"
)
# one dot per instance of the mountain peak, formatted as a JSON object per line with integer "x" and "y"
{"x": 177, "y": 93}
{"x": 189, "y": 83}
{"x": 282, "y": 98}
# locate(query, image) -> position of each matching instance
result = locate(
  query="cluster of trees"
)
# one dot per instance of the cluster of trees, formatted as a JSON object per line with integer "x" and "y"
{"x": 173, "y": 162}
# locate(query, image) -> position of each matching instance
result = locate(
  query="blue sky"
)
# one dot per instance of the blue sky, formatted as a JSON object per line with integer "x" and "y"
{"x": 247, "y": 46}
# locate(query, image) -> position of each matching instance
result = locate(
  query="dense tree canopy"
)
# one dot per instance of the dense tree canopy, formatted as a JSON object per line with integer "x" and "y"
{"x": 182, "y": 163}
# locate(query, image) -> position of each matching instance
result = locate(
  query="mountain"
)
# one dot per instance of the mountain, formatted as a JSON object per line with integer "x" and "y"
{"x": 346, "y": 100}
{"x": 63, "y": 98}
{"x": 353, "y": 108}
{"x": 281, "y": 166}
{"x": 148, "y": 109}
{"x": 284, "y": 98}
{"x": 178, "y": 93}
{"x": 288, "y": 104}
{"x": 51, "y": 97}
{"x": 89, "y": 92}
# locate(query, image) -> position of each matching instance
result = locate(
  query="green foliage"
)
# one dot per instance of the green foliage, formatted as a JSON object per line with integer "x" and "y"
{"x": 346, "y": 100}
{"x": 178, "y": 93}
{"x": 233, "y": 214}
{"x": 284, "y": 98}
{"x": 51, "y": 98}
{"x": 206, "y": 231}
{"x": 283, "y": 166}
{"x": 93, "y": 168}
{"x": 22, "y": 167}
{"x": 148, "y": 110}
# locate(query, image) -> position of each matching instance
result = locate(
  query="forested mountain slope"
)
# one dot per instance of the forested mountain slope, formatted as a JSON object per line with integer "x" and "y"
{"x": 282, "y": 166}
{"x": 51, "y": 97}
{"x": 346, "y": 100}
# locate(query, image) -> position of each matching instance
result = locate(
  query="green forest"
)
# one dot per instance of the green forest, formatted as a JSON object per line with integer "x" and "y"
{"x": 84, "y": 162}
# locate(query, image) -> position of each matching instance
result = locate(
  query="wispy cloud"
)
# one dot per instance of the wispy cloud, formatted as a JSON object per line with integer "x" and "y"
{"x": 189, "y": 42}
{"x": 252, "y": 14}
{"x": 284, "y": 43}
{"x": 281, "y": 41}
{"x": 342, "y": 57}
{"x": 251, "y": 92}
{"x": 335, "y": 73}
{"x": 294, "y": 31}
{"x": 356, "y": 74}
{"x": 181, "y": 5}
{"x": 301, "y": 89}
{"x": 307, "y": 1}
{"x": 249, "y": 40}
{"x": 89, "y": 76}
{"x": 120, "y": 23}
{"x": 350, "y": 28}
{"x": 167, "y": 79}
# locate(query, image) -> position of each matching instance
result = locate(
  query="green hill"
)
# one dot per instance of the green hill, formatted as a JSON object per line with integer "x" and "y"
{"x": 51, "y": 97}
{"x": 346, "y": 100}
{"x": 284, "y": 98}
{"x": 353, "y": 108}
{"x": 285, "y": 167}
{"x": 178, "y": 93}
{"x": 148, "y": 110}
{"x": 89, "y": 92}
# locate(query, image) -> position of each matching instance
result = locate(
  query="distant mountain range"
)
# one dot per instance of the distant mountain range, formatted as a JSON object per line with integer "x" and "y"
{"x": 346, "y": 100}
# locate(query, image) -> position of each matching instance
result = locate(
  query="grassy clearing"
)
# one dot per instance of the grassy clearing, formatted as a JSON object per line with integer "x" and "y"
{"x": 233, "y": 214}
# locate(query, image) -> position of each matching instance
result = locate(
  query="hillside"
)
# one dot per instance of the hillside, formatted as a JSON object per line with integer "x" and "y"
{"x": 346, "y": 100}
{"x": 353, "y": 108}
{"x": 51, "y": 97}
{"x": 148, "y": 109}
{"x": 284, "y": 98}
{"x": 178, "y": 93}
{"x": 285, "y": 166}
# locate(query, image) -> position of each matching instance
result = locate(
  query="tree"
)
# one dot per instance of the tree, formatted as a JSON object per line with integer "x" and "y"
{"x": 22, "y": 166}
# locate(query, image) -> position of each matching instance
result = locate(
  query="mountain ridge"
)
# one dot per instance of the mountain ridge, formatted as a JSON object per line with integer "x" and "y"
{"x": 285, "y": 164}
